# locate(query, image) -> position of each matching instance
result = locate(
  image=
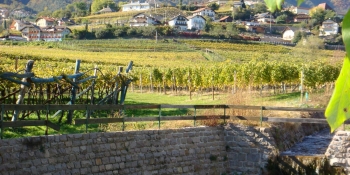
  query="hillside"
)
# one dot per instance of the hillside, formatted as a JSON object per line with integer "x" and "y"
{"x": 52, "y": 5}
{"x": 339, "y": 5}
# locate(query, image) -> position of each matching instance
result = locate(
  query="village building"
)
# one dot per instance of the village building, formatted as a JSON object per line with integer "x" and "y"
{"x": 196, "y": 22}
{"x": 329, "y": 27}
{"x": 48, "y": 33}
{"x": 226, "y": 19}
{"x": 178, "y": 22}
{"x": 4, "y": 13}
{"x": 301, "y": 18}
{"x": 19, "y": 24}
{"x": 264, "y": 18}
{"x": 136, "y": 6}
{"x": 45, "y": 21}
{"x": 205, "y": 12}
{"x": 105, "y": 10}
{"x": 289, "y": 32}
{"x": 299, "y": 10}
{"x": 142, "y": 19}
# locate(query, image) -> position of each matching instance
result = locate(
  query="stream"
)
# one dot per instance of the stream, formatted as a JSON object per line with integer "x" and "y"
{"x": 312, "y": 145}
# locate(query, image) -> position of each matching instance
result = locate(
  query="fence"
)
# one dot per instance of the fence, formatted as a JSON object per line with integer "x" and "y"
{"x": 159, "y": 118}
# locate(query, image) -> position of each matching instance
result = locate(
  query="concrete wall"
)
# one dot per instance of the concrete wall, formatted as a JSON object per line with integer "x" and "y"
{"x": 203, "y": 150}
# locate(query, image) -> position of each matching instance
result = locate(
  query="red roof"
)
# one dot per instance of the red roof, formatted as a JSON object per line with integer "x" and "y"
{"x": 324, "y": 6}
{"x": 201, "y": 9}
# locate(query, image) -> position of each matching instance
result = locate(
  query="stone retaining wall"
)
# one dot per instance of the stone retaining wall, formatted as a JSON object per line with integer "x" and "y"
{"x": 338, "y": 152}
{"x": 197, "y": 151}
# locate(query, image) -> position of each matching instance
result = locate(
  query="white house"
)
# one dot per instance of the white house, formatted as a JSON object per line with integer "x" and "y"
{"x": 299, "y": 10}
{"x": 135, "y": 6}
{"x": 205, "y": 12}
{"x": 329, "y": 27}
{"x": 178, "y": 22}
{"x": 142, "y": 19}
{"x": 289, "y": 32}
{"x": 4, "y": 13}
{"x": 265, "y": 18}
{"x": 45, "y": 21}
{"x": 19, "y": 24}
{"x": 196, "y": 22}
{"x": 50, "y": 33}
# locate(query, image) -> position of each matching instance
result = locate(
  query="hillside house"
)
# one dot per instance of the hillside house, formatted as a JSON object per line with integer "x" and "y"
{"x": 329, "y": 27}
{"x": 135, "y": 6}
{"x": 45, "y": 21}
{"x": 50, "y": 33}
{"x": 105, "y": 10}
{"x": 254, "y": 27}
{"x": 205, "y": 12}
{"x": 4, "y": 13}
{"x": 196, "y": 22}
{"x": 226, "y": 19}
{"x": 299, "y": 10}
{"x": 142, "y": 19}
{"x": 264, "y": 18}
{"x": 20, "y": 14}
{"x": 301, "y": 18}
{"x": 289, "y": 32}
{"x": 178, "y": 22}
{"x": 19, "y": 24}
{"x": 65, "y": 22}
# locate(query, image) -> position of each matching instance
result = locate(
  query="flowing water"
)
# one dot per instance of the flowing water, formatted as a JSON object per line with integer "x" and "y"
{"x": 312, "y": 145}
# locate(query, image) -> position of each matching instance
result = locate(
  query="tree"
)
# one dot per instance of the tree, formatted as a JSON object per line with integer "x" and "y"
{"x": 297, "y": 37}
{"x": 259, "y": 8}
{"x": 61, "y": 14}
{"x": 317, "y": 15}
{"x": 329, "y": 14}
{"x": 213, "y": 6}
{"x": 208, "y": 24}
{"x": 282, "y": 18}
{"x": 99, "y": 4}
{"x": 46, "y": 13}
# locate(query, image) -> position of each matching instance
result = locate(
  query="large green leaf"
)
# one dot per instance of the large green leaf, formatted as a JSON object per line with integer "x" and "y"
{"x": 338, "y": 109}
{"x": 273, "y": 5}
{"x": 346, "y": 32}
{"x": 299, "y": 2}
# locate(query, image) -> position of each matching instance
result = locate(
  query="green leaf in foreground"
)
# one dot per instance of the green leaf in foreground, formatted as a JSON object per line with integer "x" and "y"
{"x": 299, "y": 2}
{"x": 338, "y": 109}
{"x": 346, "y": 33}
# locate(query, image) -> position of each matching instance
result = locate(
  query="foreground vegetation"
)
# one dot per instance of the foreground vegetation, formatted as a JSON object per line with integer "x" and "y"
{"x": 184, "y": 71}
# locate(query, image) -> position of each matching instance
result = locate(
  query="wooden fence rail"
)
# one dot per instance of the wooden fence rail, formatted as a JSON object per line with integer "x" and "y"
{"x": 5, "y": 107}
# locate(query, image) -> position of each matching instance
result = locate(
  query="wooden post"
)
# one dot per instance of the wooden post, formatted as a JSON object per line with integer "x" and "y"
{"x": 164, "y": 84}
{"x": 212, "y": 82}
{"x": 23, "y": 89}
{"x": 234, "y": 82}
{"x": 16, "y": 64}
{"x": 151, "y": 86}
{"x": 73, "y": 93}
{"x": 301, "y": 86}
{"x": 141, "y": 82}
{"x": 2, "y": 120}
{"x": 92, "y": 97}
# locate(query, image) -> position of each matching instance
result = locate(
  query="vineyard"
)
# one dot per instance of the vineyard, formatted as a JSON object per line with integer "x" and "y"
{"x": 179, "y": 64}
{"x": 168, "y": 66}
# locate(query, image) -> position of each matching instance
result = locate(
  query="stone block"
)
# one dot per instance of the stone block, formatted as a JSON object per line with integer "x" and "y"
{"x": 102, "y": 168}
{"x": 95, "y": 169}
{"x": 109, "y": 167}
{"x": 84, "y": 171}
